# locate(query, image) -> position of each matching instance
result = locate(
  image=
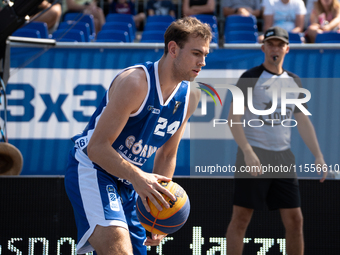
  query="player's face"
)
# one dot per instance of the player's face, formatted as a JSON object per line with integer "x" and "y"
{"x": 191, "y": 59}
{"x": 275, "y": 51}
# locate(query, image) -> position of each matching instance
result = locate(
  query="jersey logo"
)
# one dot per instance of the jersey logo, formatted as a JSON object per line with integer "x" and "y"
{"x": 154, "y": 110}
{"x": 176, "y": 106}
{"x": 111, "y": 192}
{"x": 276, "y": 116}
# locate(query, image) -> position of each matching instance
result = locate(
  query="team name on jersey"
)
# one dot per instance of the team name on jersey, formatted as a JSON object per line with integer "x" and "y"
{"x": 136, "y": 150}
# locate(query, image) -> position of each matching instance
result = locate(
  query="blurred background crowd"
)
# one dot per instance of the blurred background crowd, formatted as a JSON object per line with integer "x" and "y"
{"x": 232, "y": 21}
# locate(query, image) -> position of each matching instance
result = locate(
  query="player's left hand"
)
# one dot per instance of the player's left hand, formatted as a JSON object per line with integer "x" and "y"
{"x": 323, "y": 168}
{"x": 154, "y": 240}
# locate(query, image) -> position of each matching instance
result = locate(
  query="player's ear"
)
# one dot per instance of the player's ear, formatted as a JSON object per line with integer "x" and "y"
{"x": 262, "y": 47}
{"x": 172, "y": 48}
{"x": 287, "y": 50}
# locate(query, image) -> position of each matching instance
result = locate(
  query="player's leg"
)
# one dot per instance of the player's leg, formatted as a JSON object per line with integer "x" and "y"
{"x": 285, "y": 195}
{"x": 237, "y": 228}
{"x": 97, "y": 206}
{"x": 293, "y": 221}
{"x": 111, "y": 240}
{"x": 250, "y": 194}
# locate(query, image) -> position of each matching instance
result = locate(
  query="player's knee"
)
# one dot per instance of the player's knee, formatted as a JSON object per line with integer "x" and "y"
{"x": 241, "y": 221}
{"x": 111, "y": 240}
{"x": 295, "y": 223}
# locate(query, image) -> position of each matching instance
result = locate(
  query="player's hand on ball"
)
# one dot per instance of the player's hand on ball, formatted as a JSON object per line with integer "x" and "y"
{"x": 147, "y": 186}
{"x": 154, "y": 240}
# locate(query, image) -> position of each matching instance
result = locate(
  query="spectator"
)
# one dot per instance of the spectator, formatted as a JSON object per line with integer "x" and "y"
{"x": 309, "y": 7}
{"x": 287, "y": 14}
{"x": 194, "y": 7}
{"x": 324, "y": 17}
{"x": 127, "y": 7}
{"x": 242, "y": 7}
{"x": 87, "y": 7}
{"x": 51, "y": 17}
{"x": 161, "y": 7}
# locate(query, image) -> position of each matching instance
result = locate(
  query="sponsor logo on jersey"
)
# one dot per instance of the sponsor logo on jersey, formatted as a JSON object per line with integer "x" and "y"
{"x": 176, "y": 107}
{"x": 153, "y": 110}
{"x": 111, "y": 192}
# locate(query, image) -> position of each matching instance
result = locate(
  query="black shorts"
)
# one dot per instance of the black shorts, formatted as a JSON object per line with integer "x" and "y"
{"x": 267, "y": 190}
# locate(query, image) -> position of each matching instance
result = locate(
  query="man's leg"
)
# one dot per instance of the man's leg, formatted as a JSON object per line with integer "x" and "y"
{"x": 237, "y": 229}
{"x": 111, "y": 241}
{"x": 293, "y": 221}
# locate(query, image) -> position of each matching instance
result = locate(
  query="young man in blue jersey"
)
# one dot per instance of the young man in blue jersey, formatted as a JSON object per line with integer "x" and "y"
{"x": 269, "y": 145}
{"x": 145, "y": 111}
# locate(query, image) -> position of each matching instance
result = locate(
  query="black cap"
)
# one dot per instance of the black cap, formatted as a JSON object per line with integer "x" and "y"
{"x": 276, "y": 33}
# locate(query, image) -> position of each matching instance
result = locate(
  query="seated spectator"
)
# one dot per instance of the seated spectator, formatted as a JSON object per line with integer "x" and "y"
{"x": 87, "y": 7}
{"x": 194, "y": 7}
{"x": 160, "y": 7}
{"x": 309, "y": 7}
{"x": 242, "y": 7}
{"x": 127, "y": 7}
{"x": 51, "y": 17}
{"x": 287, "y": 14}
{"x": 324, "y": 17}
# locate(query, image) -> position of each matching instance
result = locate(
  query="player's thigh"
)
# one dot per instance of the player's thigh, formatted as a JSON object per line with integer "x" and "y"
{"x": 251, "y": 192}
{"x": 111, "y": 240}
{"x": 284, "y": 194}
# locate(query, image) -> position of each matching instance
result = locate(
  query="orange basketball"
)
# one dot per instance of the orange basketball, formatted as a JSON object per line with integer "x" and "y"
{"x": 168, "y": 220}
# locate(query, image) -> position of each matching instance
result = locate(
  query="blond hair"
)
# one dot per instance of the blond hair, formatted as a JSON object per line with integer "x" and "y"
{"x": 318, "y": 7}
{"x": 180, "y": 30}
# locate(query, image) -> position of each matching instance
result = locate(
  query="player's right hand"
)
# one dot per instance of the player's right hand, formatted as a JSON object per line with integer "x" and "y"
{"x": 252, "y": 161}
{"x": 147, "y": 186}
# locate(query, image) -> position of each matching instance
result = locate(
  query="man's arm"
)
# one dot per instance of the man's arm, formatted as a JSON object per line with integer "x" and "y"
{"x": 268, "y": 21}
{"x": 299, "y": 23}
{"x": 250, "y": 157}
{"x": 165, "y": 158}
{"x": 125, "y": 97}
{"x": 307, "y": 133}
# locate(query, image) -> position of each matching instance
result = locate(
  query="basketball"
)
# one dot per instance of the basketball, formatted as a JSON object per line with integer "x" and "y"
{"x": 168, "y": 220}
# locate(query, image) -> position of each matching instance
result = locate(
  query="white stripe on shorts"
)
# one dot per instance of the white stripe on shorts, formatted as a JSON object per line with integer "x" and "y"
{"x": 90, "y": 195}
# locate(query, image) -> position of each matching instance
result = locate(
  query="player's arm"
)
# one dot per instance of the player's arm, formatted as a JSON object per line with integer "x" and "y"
{"x": 250, "y": 157}
{"x": 165, "y": 158}
{"x": 126, "y": 95}
{"x": 308, "y": 135}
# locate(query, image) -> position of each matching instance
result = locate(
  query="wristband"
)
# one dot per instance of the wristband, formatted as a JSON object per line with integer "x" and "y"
{"x": 236, "y": 10}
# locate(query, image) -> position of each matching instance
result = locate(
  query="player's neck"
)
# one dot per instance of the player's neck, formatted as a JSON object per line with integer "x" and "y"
{"x": 276, "y": 69}
{"x": 166, "y": 79}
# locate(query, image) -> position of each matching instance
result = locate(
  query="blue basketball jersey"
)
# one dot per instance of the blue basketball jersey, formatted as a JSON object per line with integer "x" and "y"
{"x": 148, "y": 128}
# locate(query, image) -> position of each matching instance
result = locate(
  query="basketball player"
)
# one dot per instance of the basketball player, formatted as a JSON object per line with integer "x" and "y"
{"x": 145, "y": 111}
{"x": 269, "y": 145}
